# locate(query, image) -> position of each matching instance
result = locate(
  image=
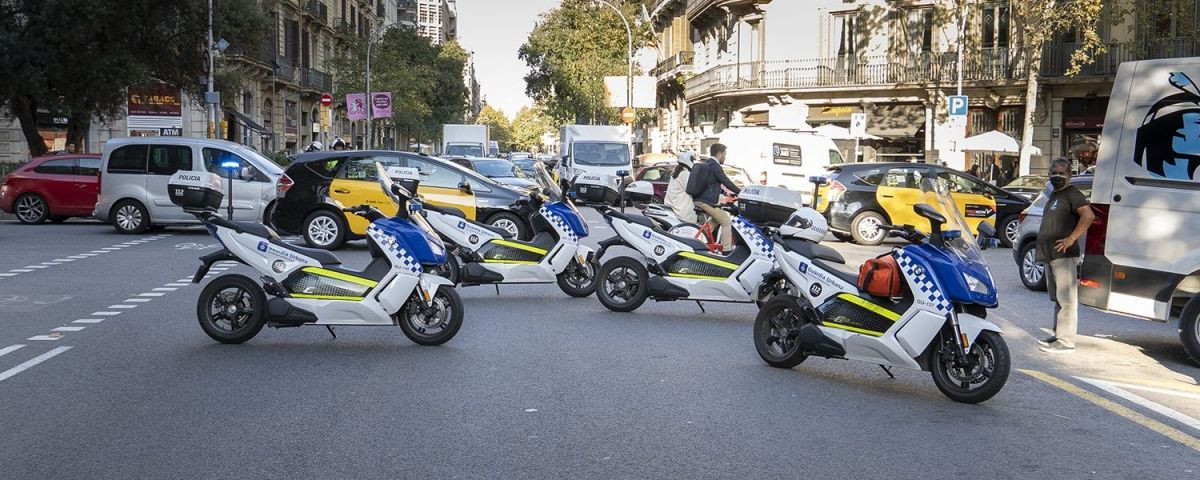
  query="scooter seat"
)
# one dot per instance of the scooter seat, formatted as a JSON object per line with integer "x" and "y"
{"x": 459, "y": 213}
{"x": 837, "y": 271}
{"x": 811, "y": 249}
{"x": 323, "y": 256}
{"x": 634, "y": 218}
{"x": 257, "y": 229}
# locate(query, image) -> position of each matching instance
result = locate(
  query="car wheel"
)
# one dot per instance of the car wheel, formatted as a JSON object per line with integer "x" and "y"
{"x": 324, "y": 229}
{"x": 1009, "y": 230}
{"x": 865, "y": 228}
{"x": 511, "y": 223}
{"x": 32, "y": 209}
{"x": 1189, "y": 328}
{"x": 1033, "y": 272}
{"x": 129, "y": 216}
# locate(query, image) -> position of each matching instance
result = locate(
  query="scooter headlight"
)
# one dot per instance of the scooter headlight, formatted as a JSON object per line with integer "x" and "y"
{"x": 976, "y": 285}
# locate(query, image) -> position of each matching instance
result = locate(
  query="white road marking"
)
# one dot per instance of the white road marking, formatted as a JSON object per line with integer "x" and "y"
{"x": 68, "y": 329}
{"x": 106, "y": 314}
{"x": 77, "y": 257}
{"x": 43, "y": 338}
{"x": 1118, "y": 390}
{"x": 21, "y": 270}
{"x": 119, "y": 307}
{"x": 64, "y": 260}
{"x": 152, "y": 294}
{"x": 8, "y": 274}
{"x": 136, "y": 300}
{"x": 9, "y": 349}
{"x": 98, "y": 251}
{"x": 51, "y": 263}
{"x": 185, "y": 280}
{"x": 176, "y": 284}
{"x": 165, "y": 289}
{"x": 31, "y": 363}
{"x": 36, "y": 266}
{"x": 88, "y": 254}
{"x": 89, "y": 320}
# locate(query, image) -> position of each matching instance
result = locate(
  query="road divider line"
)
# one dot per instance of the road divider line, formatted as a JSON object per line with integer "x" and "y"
{"x": 89, "y": 320}
{"x": 8, "y": 274}
{"x": 136, "y": 300}
{"x": 37, "y": 266}
{"x": 176, "y": 284}
{"x": 1114, "y": 407}
{"x": 5, "y": 375}
{"x": 122, "y": 306}
{"x": 106, "y": 314}
{"x": 9, "y": 349}
{"x": 45, "y": 338}
{"x": 164, "y": 289}
{"x": 98, "y": 251}
{"x": 68, "y": 329}
{"x": 185, "y": 280}
{"x": 1161, "y": 409}
{"x": 21, "y": 270}
{"x": 64, "y": 260}
{"x": 151, "y": 294}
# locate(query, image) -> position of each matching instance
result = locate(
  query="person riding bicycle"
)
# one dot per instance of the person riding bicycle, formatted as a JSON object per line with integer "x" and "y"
{"x": 704, "y": 185}
{"x": 677, "y": 197}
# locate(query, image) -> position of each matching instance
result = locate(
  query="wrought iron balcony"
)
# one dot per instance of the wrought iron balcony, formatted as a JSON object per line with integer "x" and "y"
{"x": 680, "y": 62}
{"x": 285, "y": 70}
{"x": 314, "y": 79}
{"x": 317, "y": 10}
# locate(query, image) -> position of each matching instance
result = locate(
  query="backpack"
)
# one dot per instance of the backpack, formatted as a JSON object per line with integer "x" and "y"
{"x": 880, "y": 276}
{"x": 698, "y": 180}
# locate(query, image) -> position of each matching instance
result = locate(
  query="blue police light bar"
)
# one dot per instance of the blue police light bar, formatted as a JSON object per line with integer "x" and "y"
{"x": 231, "y": 164}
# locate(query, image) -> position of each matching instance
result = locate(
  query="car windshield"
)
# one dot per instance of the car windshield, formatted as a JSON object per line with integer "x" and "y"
{"x": 599, "y": 154}
{"x": 267, "y": 164}
{"x": 546, "y": 181}
{"x": 525, "y": 163}
{"x": 1029, "y": 181}
{"x": 463, "y": 151}
{"x": 497, "y": 168}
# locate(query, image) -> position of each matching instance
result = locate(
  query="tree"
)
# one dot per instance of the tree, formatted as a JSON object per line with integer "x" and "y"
{"x": 528, "y": 127}
{"x": 75, "y": 58}
{"x": 499, "y": 128}
{"x": 570, "y": 51}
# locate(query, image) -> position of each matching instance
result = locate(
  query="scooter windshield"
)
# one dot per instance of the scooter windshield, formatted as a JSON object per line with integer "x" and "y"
{"x": 546, "y": 182}
{"x": 956, "y": 234}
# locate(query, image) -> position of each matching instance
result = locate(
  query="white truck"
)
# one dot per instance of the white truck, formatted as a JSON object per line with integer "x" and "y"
{"x": 1142, "y": 254}
{"x": 593, "y": 149}
{"x": 465, "y": 140}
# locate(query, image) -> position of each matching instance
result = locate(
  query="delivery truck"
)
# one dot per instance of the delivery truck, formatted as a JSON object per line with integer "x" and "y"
{"x": 465, "y": 140}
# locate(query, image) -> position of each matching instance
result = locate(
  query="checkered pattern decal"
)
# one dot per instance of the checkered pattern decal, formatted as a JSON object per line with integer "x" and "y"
{"x": 559, "y": 224}
{"x": 755, "y": 240}
{"x": 388, "y": 243}
{"x": 920, "y": 279}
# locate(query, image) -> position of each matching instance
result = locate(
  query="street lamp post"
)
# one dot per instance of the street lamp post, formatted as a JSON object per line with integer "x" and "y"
{"x": 628, "y": 54}
{"x": 370, "y": 40}
{"x": 211, "y": 110}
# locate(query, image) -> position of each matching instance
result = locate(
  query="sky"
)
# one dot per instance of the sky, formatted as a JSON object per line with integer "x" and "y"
{"x": 495, "y": 30}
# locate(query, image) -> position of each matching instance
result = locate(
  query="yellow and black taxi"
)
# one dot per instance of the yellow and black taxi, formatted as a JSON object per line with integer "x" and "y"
{"x": 315, "y": 184}
{"x": 862, "y": 196}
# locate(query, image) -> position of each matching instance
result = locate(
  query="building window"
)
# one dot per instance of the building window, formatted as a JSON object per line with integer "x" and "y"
{"x": 268, "y": 113}
{"x": 290, "y": 113}
{"x": 995, "y": 23}
{"x": 846, "y": 27}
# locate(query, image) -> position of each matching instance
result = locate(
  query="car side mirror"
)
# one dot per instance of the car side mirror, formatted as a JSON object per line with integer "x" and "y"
{"x": 465, "y": 187}
{"x": 246, "y": 174}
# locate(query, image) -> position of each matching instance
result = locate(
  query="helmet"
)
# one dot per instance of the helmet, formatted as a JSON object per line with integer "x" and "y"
{"x": 685, "y": 159}
{"x": 805, "y": 223}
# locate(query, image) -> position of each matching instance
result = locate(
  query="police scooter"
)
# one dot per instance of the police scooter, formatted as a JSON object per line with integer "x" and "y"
{"x": 931, "y": 319}
{"x": 670, "y": 267}
{"x": 489, "y": 255}
{"x": 299, "y": 286}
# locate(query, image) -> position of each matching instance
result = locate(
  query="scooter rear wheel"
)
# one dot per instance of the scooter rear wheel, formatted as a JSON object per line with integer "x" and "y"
{"x": 578, "y": 280}
{"x": 777, "y": 331}
{"x": 434, "y": 326}
{"x": 621, "y": 284}
{"x": 983, "y": 379}
{"x": 232, "y": 309}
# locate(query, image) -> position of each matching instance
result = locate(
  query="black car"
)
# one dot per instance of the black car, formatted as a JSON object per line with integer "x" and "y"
{"x": 315, "y": 184}
{"x": 862, "y": 196}
{"x": 498, "y": 169}
{"x": 1028, "y": 186}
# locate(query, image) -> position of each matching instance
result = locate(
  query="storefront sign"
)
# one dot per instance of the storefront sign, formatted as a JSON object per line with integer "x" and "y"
{"x": 155, "y": 100}
{"x": 170, "y": 132}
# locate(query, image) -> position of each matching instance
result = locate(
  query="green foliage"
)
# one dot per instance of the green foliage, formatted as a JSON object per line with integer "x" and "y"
{"x": 499, "y": 128}
{"x": 75, "y": 58}
{"x": 570, "y": 51}
{"x": 529, "y": 126}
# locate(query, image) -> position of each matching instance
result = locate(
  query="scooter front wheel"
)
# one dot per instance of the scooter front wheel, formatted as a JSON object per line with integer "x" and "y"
{"x": 777, "y": 331}
{"x": 980, "y": 377}
{"x": 436, "y": 324}
{"x": 232, "y": 309}
{"x": 578, "y": 280}
{"x": 621, "y": 284}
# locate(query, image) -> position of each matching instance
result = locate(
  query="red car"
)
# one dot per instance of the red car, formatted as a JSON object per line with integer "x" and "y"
{"x": 52, "y": 188}
{"x": 659, "y": 175}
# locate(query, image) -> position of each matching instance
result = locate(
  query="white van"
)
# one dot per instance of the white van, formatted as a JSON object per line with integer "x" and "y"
{"x": 134, "y": 173}
{"x": 594, "y": 149}
{"x": 1142, "y": 255}
{"x": 779, "y": 158}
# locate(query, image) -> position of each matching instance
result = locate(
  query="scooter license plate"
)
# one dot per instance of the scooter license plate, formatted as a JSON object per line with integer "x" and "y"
{"x": 583, "y": 189}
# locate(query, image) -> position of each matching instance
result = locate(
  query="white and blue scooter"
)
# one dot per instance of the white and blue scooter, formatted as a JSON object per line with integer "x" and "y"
{"x": 299, "y": 286}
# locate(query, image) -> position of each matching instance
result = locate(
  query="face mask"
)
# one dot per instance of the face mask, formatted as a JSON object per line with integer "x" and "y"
{"x": 1058, "y": 181}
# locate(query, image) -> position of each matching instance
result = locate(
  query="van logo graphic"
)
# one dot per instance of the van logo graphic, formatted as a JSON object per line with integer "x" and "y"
{"x": 645, "y": 233}
{"x": 262, "y": 246}
{"x": 1167, "y": 144}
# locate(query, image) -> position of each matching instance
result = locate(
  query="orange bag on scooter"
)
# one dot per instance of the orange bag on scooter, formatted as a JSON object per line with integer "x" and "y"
{"x": 880, "y": 276}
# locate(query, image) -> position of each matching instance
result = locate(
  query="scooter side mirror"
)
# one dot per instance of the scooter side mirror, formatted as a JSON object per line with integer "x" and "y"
{"x": 818, "y": 180}
{"x": 987, "y": 236}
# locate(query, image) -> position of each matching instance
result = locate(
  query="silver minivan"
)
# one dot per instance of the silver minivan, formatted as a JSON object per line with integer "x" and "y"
{"x": 134, "y": 173}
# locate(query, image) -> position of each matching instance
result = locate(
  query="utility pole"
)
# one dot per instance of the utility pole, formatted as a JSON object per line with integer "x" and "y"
{"x": 211, "y": 107}
{"x": 370, "y": 101}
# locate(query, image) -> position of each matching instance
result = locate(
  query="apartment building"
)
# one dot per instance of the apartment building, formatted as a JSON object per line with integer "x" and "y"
{"x": 895, "y": 61}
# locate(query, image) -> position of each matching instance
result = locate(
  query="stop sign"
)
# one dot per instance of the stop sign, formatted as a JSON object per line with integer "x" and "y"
{"x": 326, "y": 99}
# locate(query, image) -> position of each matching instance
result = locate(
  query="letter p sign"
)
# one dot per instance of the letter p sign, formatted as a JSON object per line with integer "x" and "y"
{"x": 957, "y": 105}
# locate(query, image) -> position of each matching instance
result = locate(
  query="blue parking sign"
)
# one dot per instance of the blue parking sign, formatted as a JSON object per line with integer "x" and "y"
{"x": 957, "y": 105}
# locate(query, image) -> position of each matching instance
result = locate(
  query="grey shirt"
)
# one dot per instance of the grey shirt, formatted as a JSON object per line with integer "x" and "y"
{"x": 1059, "y": 219}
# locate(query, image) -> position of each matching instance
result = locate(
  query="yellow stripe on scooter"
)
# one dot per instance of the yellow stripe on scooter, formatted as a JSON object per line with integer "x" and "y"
{"x": 324, "y": 297}
{"x": 521, "y": 246}
{"x": 710, "y": 261}
{"x": 341, "y": 276}
{"x": 852, "y": 329}
{"x": 883, "y": 312}
{"x": 697, "y": 277}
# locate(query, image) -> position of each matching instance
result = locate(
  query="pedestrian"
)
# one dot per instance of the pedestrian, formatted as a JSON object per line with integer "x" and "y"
{"x": 338, "y": 143}
{"x": 995, "y": 176}
{"x": 1009, "y": 173}
{"x": 704, "y": 185}
{"x": 677, "y": 197}
{"x": 1065, "y": 219}
{"x": 974, "y": 170}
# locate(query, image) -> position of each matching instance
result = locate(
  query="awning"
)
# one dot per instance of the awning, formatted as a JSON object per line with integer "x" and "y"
{"x": 840, "y": 133}
{"x": 831, "y": 113}
{"x": 247, "y": 121}
{"x": 995, "y": 142}
{"x": 896, "y": 121}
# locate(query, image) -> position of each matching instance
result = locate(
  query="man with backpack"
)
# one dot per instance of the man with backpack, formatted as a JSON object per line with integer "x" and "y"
{"x": 704, "y": 185}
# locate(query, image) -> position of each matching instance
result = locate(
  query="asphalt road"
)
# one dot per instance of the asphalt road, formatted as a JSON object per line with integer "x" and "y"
{"x": 535, "y": 385}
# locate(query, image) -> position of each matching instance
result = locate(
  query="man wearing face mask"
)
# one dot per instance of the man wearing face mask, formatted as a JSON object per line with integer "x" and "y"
{"x": 1065, "y": 219}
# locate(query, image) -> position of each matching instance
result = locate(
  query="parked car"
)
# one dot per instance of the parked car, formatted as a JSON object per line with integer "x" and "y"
{"x": 134, "y": 174}
{"x": 1028, "y": 186}
{"x": 319, "y": 184}
{"x": 498, "y": 169}
{"x": 525, "y": 164}
{"x": 519, "y": 155}
{"x": 862, "y": 196}
{"x": 1025, "y": 250}
{"x": 52, "y": 188}
{"x": 659, "y": 175}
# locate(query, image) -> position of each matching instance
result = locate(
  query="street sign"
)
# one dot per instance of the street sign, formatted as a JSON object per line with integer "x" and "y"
{"x": 957, "y": 105}
{"x": 326, "y": 99}
{"x": 628, "y": 115}
{"x": 858, "y": 125}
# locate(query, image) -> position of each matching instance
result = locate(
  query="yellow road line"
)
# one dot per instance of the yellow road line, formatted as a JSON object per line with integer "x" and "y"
{"x": 1114, "y": 407}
